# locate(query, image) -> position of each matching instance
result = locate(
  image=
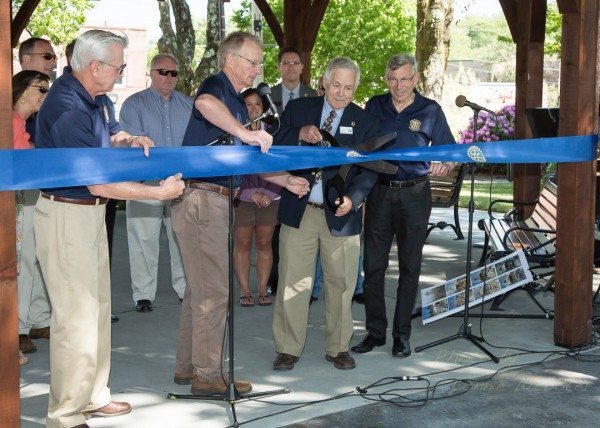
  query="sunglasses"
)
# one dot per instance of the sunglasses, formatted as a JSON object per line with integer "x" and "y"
{"x": 46, "y": 55}
{"x": 166, "y": 72}
{"x": 120, "y": 69}
{"x": 42, "y": 89}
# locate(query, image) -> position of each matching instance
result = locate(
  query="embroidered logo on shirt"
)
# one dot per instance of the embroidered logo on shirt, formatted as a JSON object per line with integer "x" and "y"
{"x": 414, "y": 125}
{"x": 106, "y": 118}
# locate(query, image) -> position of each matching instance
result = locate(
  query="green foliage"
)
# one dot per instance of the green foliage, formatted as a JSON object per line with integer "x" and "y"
{"x": 58, "y": 20}
{"x": 368, "y": 31}
{"x": 479, "y": 38}
{"x": 553, "y": 31}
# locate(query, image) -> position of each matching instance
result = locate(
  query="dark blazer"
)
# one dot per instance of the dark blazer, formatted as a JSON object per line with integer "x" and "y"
{"x": 359, "y": 181}
{"x": 305, "y": 91}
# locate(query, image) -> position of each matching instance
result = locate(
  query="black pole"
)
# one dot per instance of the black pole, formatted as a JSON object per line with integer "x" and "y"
{"x": 465, "y": 330}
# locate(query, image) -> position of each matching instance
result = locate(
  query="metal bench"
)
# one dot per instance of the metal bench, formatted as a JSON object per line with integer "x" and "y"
{"x": 445, "y": 191}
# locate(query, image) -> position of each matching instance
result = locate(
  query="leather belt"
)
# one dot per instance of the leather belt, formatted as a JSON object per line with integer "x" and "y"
{"x": 90, "y": 201}
{"x": 404, "y": 183}
{"x": 316, "y": 205}
{"x": 211, "y": 187}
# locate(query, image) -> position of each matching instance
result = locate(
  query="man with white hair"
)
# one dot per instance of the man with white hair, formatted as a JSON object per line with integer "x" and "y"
{"x": 161, "y": 113}
{"x": 71, "y": 234}
{"x": 308, "y": 223}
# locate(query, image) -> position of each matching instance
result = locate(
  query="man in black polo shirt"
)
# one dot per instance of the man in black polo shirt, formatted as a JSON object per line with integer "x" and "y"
{"x": 400, "y": 205}
{"x": 71, "y": 234}
{"x": 200, "y": 217}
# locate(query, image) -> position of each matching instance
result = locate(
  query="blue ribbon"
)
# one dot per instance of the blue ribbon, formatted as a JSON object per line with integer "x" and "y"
{"x": 48, "y": 168}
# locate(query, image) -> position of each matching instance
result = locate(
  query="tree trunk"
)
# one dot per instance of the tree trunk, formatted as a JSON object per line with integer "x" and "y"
{"x": 301, "y": 21}
{"x": 181, "y": 43}
{"x": 433, "y": 44}
{"x": 209, "y": 63}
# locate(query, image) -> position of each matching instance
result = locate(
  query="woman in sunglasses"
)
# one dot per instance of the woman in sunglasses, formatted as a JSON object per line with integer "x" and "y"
{"x": 29, "y": 91}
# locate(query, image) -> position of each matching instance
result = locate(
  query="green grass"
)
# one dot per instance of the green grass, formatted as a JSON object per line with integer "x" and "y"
{"x": 500, "y": 190}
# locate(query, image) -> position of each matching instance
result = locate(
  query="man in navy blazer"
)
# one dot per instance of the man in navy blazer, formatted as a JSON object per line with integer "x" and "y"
{"x": 308, "y": 223}
{"x": 290, "y": 67}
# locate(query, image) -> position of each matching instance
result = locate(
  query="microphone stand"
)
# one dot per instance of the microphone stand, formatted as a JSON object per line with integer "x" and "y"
{"x": 465, "y": 329}
{"x": 231, "y": 394}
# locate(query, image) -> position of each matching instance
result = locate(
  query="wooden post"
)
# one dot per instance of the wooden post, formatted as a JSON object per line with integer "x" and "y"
{"x": 530, "y": 25}
{"x": 576, "y": 181}
{"x": 10, "y": 409}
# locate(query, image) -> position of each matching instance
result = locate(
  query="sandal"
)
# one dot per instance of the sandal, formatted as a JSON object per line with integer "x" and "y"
{"x": 246, "y": 301}
{"x": 264, "y": 300}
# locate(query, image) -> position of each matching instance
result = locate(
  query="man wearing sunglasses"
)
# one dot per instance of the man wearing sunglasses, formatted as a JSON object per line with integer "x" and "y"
{"x": 37, "y": 54}
{"x": 161, "y": 113}
{"x": 35, "y": 310}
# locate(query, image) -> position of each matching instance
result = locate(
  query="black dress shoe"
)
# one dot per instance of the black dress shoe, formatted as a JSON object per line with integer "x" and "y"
{"x": 401, "y": 347}
{"x": 367, "y": 344}
{"x": 143, "y": 306}
{"x": 359, "y": 298}
{"x": 114, "y": 318}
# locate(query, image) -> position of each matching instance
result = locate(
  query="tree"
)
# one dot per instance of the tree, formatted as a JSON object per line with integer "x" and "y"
{"x": 181, "y": 41}
{"x": 433, "y": 43}
{"x": 368, "y": 31}
{"x": 553, "y": 37}
{"x": 58, "y": 20}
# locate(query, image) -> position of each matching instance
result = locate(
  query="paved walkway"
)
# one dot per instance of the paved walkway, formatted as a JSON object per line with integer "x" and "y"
{"x": 562, "y": 391}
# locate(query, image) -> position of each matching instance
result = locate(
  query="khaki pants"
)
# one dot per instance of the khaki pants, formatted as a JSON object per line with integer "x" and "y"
{"x": 73, "y": 254}
{"x": 144, "y": 221}
{"x": 200, "y": 222}
{"x": 297, "y": 261}
{"x": 34, "y": 305}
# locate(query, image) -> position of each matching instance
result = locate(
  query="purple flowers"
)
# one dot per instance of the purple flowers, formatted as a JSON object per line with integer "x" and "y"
{"x": 491, "y": 128}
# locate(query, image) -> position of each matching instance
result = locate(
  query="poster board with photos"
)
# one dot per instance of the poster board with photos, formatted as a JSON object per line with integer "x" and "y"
{"x": 507, "y": 273}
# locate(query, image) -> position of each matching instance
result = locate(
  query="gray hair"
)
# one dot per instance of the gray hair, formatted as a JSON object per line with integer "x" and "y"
{"x": 160, "y": 56}
{"x": 94, "y": 45}
{"x": 342, "y": 62}
{"x": 233, "y": 43}
{"x": 399, "y": 60}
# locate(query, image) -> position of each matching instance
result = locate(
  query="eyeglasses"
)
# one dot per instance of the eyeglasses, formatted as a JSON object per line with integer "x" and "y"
{"x": 165, "y": 71}
{"x": 403, "y": 80}
{"x": 42, "y": 89}
{"x": 259, "y": 64}
{"x": 46, "y": 55}
{"x": 119, "y": 69}
{"x": 292, "y": 63}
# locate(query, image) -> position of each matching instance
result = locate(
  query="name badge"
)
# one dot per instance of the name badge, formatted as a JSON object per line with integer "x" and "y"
{"x": 347, "y": 130}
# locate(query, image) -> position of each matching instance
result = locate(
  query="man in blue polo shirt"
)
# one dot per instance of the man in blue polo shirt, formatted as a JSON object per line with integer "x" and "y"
{"x": 400, "y": 204}
{"x": 200, "y": 217}
{"x": 71, "y": 234}
{"x": 161, "y": 113}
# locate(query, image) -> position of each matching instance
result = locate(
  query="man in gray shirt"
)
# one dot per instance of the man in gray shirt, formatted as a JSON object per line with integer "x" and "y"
{"x": 161, "y": 113}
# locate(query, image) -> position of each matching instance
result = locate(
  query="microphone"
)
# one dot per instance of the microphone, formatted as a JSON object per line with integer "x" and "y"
{"x": 265, "y": 92}
{"x": 462, "y": 101}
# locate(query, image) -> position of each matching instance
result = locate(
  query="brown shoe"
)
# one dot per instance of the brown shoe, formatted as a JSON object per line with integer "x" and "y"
{"x": 284, "y": 362}
{"x": 40, "y": 333}
{"x": 342, "y": 361}
{"x": 200, "y": 388}
{"x": 114, "y": 408}
{"x": 183, "y": 379}
{"x": 26, "y": 346}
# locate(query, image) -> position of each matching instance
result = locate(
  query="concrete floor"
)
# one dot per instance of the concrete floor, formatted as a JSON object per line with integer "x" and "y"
{"x": 561, "y": 391}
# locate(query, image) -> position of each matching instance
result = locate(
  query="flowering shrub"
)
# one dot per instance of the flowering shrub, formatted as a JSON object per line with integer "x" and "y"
{"x": 491, "y": 128}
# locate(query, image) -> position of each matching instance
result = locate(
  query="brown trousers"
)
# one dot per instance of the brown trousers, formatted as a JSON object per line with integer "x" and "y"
{"x": 200, "y": 220}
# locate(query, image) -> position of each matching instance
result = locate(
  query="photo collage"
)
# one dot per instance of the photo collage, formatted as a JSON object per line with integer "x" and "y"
{"x": 487, "y": 282}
